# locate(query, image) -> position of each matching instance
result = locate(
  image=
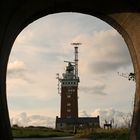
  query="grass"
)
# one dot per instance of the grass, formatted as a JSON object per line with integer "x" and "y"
{"x": 102, "y": 134}
{"x": 95, "y": 134}
{"x": 36, "y": 132}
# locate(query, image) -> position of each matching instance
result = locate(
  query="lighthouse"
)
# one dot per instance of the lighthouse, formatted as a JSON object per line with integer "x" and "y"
{"x": 68, "y": 89}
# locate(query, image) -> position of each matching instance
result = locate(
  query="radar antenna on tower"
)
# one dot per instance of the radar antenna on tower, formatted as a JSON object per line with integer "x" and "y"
{"x": 76, "y": 58}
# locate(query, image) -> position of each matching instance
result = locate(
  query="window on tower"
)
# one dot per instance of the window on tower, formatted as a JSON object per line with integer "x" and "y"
{"x": 68, "y": 110}
{"x": 71, "y": 90}
{"x": 68, "y": 96}
{"x": 68, "y": 104}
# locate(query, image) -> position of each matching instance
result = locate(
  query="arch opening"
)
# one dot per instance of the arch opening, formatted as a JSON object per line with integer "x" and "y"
{"x": 123, "y": 18}
{"x": 97, "y": 42}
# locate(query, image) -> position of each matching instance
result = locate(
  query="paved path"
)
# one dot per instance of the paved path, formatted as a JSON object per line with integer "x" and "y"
{"x": 57, "y": 138}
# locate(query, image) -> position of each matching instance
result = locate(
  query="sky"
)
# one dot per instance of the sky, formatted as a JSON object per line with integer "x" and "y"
{"x": 38, "y": 54}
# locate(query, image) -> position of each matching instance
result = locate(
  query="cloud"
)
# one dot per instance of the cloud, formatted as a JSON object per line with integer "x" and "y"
{"x": 120, "y": 119}
{"x": 83, "y": 113}
{"x": 43, "y": 46}
{"x": 98, "y": 89}
{"x": 105, "y": 51}
{"x": 17, "y": 69}
{"x": 32, "y": 120}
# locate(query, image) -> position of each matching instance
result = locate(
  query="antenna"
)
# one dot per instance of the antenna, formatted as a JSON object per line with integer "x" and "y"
{"x": 76, "y": 58}
{"x": 69, "y": 62}
{"x": 58, "y": 84}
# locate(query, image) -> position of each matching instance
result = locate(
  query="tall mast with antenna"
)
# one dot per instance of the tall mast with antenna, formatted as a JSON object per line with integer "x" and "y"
{"x": 76, "y": 58}
{"x": 58, "y": 83}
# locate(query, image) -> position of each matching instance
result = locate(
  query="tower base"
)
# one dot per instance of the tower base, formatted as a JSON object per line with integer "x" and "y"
{"x": 71, "y": 123}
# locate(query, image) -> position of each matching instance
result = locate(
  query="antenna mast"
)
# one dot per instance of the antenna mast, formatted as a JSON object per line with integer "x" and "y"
{"x": 58, "y": 84}
{"x": 76, "y": 58}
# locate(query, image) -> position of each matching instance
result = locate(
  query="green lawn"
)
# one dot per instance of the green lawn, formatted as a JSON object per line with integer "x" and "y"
{"x": 38, "y": 132}
{"x": 96, "y": 134}
{"x": 102, "y": 134}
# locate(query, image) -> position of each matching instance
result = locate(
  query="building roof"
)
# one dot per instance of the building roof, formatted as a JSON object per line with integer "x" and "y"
{"x": 80, "y": 120}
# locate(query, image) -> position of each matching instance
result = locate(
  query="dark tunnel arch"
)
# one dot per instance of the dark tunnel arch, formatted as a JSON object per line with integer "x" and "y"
{"x": 21, "y": 16}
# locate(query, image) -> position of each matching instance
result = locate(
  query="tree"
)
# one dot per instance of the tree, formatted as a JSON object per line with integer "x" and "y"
{"x": 130, "y": 76}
